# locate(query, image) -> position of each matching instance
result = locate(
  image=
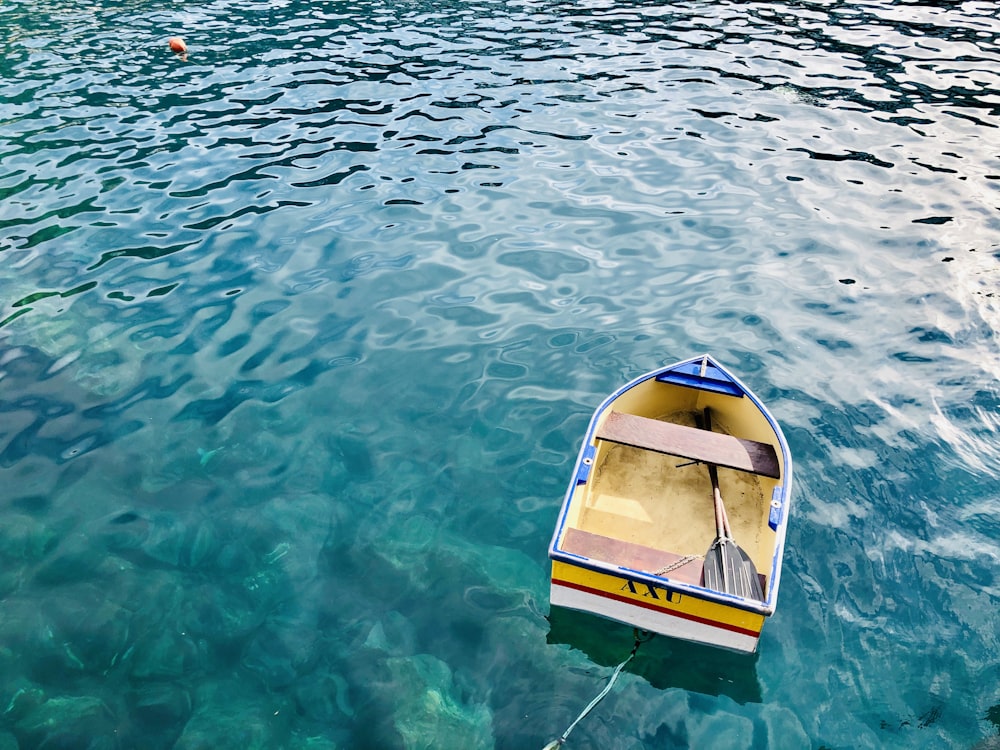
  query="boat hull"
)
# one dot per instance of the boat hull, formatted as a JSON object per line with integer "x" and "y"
{"x": 637, "y": 517}
{"x": 654, "y": 608}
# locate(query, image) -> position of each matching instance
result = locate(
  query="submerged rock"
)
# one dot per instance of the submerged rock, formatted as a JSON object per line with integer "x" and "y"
{"x": 401, "y": 554}
{"x": 287, "y": 535}
{"x": 69, "y": 631}
{"x": 72, "y": 722}
{"x": 428, "y": 715}
{"x": 24, "y": 539}
{"x": 105, "y": 370}
{"x": 324, "y": 697}
{"x": 227, "y": 716}
{"x": 155, "y": 596}
{"x": 225, "y": 615}
{"x": 124, "y": 531}
{"x": 21, "y": 699}
{"x": 172, "y": 540}
{"x": 160, "y": 708}
{"x": 393, "y": 634}
{"x": 202, "y": 544}
{"x": 76, "y": 561}
{"x": 280, "y": 652}
{"x": 314, "y": 742}
{"x": 164, "y": 654}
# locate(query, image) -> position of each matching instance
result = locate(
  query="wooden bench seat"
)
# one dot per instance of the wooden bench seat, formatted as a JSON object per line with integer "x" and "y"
{"x": 690, "y": 442}
{"x": 629, "y": 555}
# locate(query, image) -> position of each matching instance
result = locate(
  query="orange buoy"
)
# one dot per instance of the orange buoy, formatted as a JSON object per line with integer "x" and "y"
{"x": 177, "y": 44}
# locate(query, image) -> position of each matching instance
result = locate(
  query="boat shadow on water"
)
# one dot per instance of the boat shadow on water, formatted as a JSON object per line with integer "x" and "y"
{"x": 663, "y": 662}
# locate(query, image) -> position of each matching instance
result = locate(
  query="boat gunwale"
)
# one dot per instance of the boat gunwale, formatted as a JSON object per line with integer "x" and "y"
{"x": 766, "y": 607}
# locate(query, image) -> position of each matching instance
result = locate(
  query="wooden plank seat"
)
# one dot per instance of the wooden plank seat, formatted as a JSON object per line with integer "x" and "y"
{"x": 629, "y": 555}
{"x": 690, "y": 442}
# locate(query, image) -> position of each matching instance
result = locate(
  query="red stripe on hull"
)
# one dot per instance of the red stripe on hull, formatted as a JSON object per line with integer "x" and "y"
{"x": 661, "y": 610}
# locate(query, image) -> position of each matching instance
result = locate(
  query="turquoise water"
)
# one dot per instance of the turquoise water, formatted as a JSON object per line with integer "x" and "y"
{"x": 299, "y": 334}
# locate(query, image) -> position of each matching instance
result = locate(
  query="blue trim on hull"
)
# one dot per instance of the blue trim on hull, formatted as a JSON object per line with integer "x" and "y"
{"x": 702, "y": 376}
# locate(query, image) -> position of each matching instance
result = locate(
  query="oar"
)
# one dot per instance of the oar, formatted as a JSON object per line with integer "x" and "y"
{"x": 749, "y": 570}
{"x": 727, "y": 567}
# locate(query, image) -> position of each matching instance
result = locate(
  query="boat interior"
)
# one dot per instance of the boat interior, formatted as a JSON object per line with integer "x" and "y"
{"x": 647, "y": 503}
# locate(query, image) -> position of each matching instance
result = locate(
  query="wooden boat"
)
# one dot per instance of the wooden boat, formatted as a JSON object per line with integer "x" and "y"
{"x": 683, "y": 476}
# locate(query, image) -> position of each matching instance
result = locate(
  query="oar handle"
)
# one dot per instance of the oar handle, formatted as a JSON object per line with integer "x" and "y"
{"x": 721, "y": 521}
{"x": 725, "y": 522}
{"x": 720, "y": 509}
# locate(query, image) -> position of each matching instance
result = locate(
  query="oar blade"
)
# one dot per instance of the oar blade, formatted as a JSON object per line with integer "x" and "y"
{"x": 730, "y": 570}
{"x": 751, "y": 580}
{"x": 714, "y": 571}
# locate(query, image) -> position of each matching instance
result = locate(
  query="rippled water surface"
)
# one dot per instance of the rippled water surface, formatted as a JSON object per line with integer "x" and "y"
{"x": 300, "y": 332}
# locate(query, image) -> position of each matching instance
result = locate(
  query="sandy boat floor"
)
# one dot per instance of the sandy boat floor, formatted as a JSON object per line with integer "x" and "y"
{"x": 654, "y": 500}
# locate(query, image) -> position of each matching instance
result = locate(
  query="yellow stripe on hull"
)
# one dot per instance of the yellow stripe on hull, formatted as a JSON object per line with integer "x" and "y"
{"x": 655, "y": 608}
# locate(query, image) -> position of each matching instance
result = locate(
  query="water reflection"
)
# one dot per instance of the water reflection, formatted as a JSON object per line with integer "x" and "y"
{"x": 663, "y": 662}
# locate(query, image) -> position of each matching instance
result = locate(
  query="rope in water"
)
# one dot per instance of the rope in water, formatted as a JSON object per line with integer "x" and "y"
{"x": 640, "y": 638}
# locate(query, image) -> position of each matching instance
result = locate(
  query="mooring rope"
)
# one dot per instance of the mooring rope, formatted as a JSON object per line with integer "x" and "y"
{"x": 677, "y": 564}
{"x": 640, "y": 638}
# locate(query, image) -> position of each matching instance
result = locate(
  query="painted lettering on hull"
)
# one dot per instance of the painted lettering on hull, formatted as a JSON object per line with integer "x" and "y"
{"x": 649, "y": 591}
